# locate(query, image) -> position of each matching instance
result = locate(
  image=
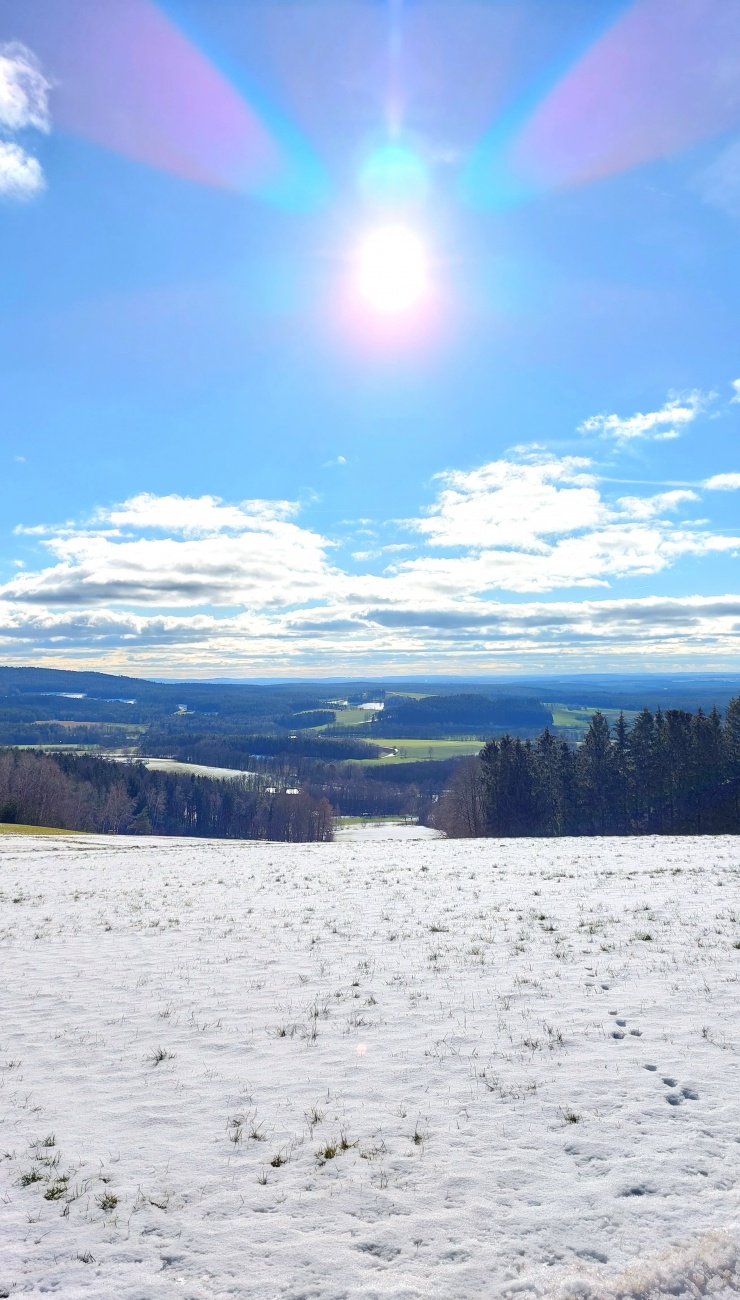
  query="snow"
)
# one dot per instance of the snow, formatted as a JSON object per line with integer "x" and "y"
{"x": 193, "y": 769}
{"x": 534, "y": 1100}
{"x": 369, "y": 831}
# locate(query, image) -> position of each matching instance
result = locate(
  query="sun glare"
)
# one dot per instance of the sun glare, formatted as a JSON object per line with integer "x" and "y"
{"x": 393, "y": 269}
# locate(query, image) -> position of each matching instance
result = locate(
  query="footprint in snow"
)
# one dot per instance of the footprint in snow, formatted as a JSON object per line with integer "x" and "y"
{"x": 678, "y": 1098}
{"x": 669, "y": 1082}
{"x": 651, "y": 1068}
{"x": 618, "y": 1034}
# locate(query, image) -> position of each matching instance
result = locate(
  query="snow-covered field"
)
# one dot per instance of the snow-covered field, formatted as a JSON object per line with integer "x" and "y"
{"x": 189, "y": 769}
{"x": 369, "y": 1069}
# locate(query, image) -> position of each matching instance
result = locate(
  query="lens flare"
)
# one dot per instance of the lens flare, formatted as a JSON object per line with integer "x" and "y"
{"x": 394, "y": 176}
{"x": 661, "y": 79}
{"x": 392, "y": 269}
{"x": 129, "y": 78}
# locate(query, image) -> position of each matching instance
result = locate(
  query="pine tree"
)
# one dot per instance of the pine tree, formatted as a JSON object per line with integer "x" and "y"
{"x": 622, "y": 775}
{"x": 732, "y": 759}
{"x": 643, "y": 770}
{"x": 548, "y": 773}
{"x": 596, "y": 771}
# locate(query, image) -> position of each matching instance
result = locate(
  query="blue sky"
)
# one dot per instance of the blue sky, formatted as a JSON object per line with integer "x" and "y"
{"x": 218, "y": 460}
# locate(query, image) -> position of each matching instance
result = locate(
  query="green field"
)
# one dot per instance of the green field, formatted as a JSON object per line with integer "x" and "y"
{"x": 349, "y": 718}
{"x": 415, "y": 751}
{"x": 578, "y": 719}
{"x": 11, "y": 828}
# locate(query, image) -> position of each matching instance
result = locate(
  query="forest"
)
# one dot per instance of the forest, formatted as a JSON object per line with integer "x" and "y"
{"x": 244, "y": 752}
{"x": 669, "y": 773}
{"x": 85, "y": 793}
{"x": 444, "y": 715}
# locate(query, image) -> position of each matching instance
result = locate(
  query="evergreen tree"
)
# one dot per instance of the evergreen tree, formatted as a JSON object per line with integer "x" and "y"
{"x": 669, "y": 773}
{"x": 622, "y": 776}
{"x": 548, "y": 776}
{"x": 732, "y": 758}
{"x": 596, "y": 771}
{"x": 643, "y": 767}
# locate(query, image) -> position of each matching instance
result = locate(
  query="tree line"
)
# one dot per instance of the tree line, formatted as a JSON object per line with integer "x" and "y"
{"x": 669, "y": 773}
{"x": 84, "y": 793}
{"x": 248, "y": 751}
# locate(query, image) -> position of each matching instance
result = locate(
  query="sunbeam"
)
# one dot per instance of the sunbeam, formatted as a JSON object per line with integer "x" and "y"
{"x": 662, "y": 78}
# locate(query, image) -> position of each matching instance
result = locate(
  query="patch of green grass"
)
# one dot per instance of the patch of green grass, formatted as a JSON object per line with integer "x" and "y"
{"x": 33, "y": 1176}
{"x": 416, "y": 751}
{"x": 564, "y": 715}
{"x": 13, "y": 828}
{"x": 327, "y": 1152}
{"x": 347, "y": 718}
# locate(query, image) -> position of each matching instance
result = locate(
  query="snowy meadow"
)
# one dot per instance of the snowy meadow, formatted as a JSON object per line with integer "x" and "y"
{"x": 382, "y": 1068}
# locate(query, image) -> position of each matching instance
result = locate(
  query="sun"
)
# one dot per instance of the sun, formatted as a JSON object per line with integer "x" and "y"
{"x": 392, "y": 269}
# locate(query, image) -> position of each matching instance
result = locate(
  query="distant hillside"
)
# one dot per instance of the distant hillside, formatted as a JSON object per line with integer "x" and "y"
{"x": 440, "y": 715}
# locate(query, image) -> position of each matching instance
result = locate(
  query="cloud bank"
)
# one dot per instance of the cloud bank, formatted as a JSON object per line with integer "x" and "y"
{"x": 246, "y": 587}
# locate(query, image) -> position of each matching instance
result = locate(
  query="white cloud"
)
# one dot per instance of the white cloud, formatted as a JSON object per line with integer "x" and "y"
{"x": 723, "y": 482}
{"x": 24, "y": 90}
{"x": 248, "y": 554}
{"x": 539, "y": 527}
{"x": 196, "y": 516}
{"x": 21, "y": 176}
{"x": 514, "y": 505}
{"x": 659, "y": 426}
{"x": 650, "y": 507}
{"x": 24, "y": 104}
{"x": 593, "y": 559}
{"x": 736, "y": 387}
